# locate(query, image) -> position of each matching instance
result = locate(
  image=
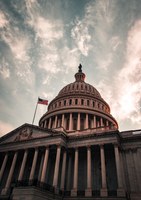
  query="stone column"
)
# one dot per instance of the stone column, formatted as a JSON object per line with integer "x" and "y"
{"x": 120, "y": 190}
{"x": 78, "y": 122}
{"x": 98, "y": 124}
{"x": 56, "y": 171}
{"x": 31, "y": 177}
{"x": 69, "y": 172}
{"x": 63, "y": 170}
{"x": 103, "y": 172}
{"x": 94, "y": 121}
{"x": 41, "y": 166}
{"x": 137, "y": 167}
{"x": 49, "y": 125}
{"x": 23, "y": 165}
{"x": 45, "y": 124}
{"x": 65, "y": 123}
{"x": 86, "y": 122}
{"x": 88, "y": 191}
{"x": 62, "y": 123}
{"x": 101, "y": 122}
{"x": 70, "y": 122}
{"x": 75, "y": 177}
{"x": 55, "y": 123}
{"x": 107, "y": 124}
{"x": 44, "y": 169}
{"x": 3, "y": 166}
{"x": 9, "y": 179}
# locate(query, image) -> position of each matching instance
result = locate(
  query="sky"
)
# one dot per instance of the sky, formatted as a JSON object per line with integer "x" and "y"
{"x": 42, "y": 42}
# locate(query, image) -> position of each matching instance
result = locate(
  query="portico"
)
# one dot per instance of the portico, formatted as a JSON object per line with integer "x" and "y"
{"x": 69, "y": 164}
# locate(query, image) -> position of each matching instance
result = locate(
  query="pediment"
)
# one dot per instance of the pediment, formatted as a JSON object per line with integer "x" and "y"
{"x": 24, "y": 132}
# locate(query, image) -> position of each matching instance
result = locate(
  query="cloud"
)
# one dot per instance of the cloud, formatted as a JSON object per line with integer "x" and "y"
{"x": 124, "y": 95}
{"x": 93, "y": 33}
{"x": 5, "y": 127}
{"x": 18, "y": 42}
{"x": 4, "y": 69}
{"x": 19, "y": 45}
{"x": 47, "y": 30}
{"x": 130, "y": 76}
{"x": 81, "y": 36}
{"x": 48, "y": 61}
{"x": 3, "y": 20}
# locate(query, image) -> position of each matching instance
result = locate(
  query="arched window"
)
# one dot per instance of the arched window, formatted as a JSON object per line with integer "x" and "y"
{"x": 93, "y": 104}
{"x": 82, "y": 101}
{"x": 60, "y": 103}
{"x": 76, "y": 101}
{"x": 64, "y": 102}
{"x": 88, "y": 103}
{"x": 70, "y": 101}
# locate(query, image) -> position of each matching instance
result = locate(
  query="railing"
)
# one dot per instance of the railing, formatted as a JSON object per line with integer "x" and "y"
{"x": 112, "y": 193}
{"x": 96, "y": 193}
{"x": 81, "y": 193}
{"x": 36, "y": 183}
{"x": 47, "y": 187}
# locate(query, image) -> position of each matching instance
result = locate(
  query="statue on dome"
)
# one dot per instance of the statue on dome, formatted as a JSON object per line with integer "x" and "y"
{"x": 80, "y": 68}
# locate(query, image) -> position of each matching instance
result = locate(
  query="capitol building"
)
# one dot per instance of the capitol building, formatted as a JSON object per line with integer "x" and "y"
{"x": 77, "y": 152}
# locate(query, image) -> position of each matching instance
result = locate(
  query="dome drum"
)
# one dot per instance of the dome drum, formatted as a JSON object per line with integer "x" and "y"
{"x": 76, "y": 120}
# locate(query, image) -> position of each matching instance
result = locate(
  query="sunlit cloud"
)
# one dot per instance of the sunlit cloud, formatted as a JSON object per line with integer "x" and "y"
{"x": 4, "y": 69}
{"x": 43, "y": 42}
{"x": 124, "y": 96}
{"x": 3, "y": 20}
{"x": 5, "y": 128}
{"x": 81, "y": 36}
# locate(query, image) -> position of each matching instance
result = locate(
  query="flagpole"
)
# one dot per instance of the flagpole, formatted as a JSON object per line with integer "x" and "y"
{"x": 34, "y": 113}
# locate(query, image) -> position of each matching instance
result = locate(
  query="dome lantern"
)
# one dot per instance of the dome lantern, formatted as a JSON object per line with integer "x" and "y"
{"x": 80, "y": 76}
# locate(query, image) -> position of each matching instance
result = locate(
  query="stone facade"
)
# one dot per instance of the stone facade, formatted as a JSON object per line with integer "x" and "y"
{"x": 76, "y": 152}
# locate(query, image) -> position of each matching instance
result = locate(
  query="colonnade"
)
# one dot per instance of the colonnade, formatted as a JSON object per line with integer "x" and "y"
{"x": 76, "y": 121}
{"x": 61, "y": 151}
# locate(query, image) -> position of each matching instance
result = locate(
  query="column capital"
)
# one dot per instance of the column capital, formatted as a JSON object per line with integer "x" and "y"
{"x": 116, "y": 145}
{"x": 25, "y": 149}
{"x": 76, "y": 148}
{"x": 64, "y": 150}
{"x": 58, "y": 145}
{"x": 101, "y": 145}
{"x": 88, "y": 146}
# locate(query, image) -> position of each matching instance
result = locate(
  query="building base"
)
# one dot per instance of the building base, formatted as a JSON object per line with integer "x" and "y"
{"x": 30, "y": 193}
{"x": 103, "y": 192}
{"x": 135, "y": 195}
{"x": 88, "y": 192}
{"x": 74, "y": 192}
{"x": 4, "y": 191}
{"x": 121, "y": 192}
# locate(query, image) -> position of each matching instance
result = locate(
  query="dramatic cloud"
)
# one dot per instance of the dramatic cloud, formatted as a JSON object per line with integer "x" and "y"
{"x": 43, "y": 42}
{"x": 124, "y": 95}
